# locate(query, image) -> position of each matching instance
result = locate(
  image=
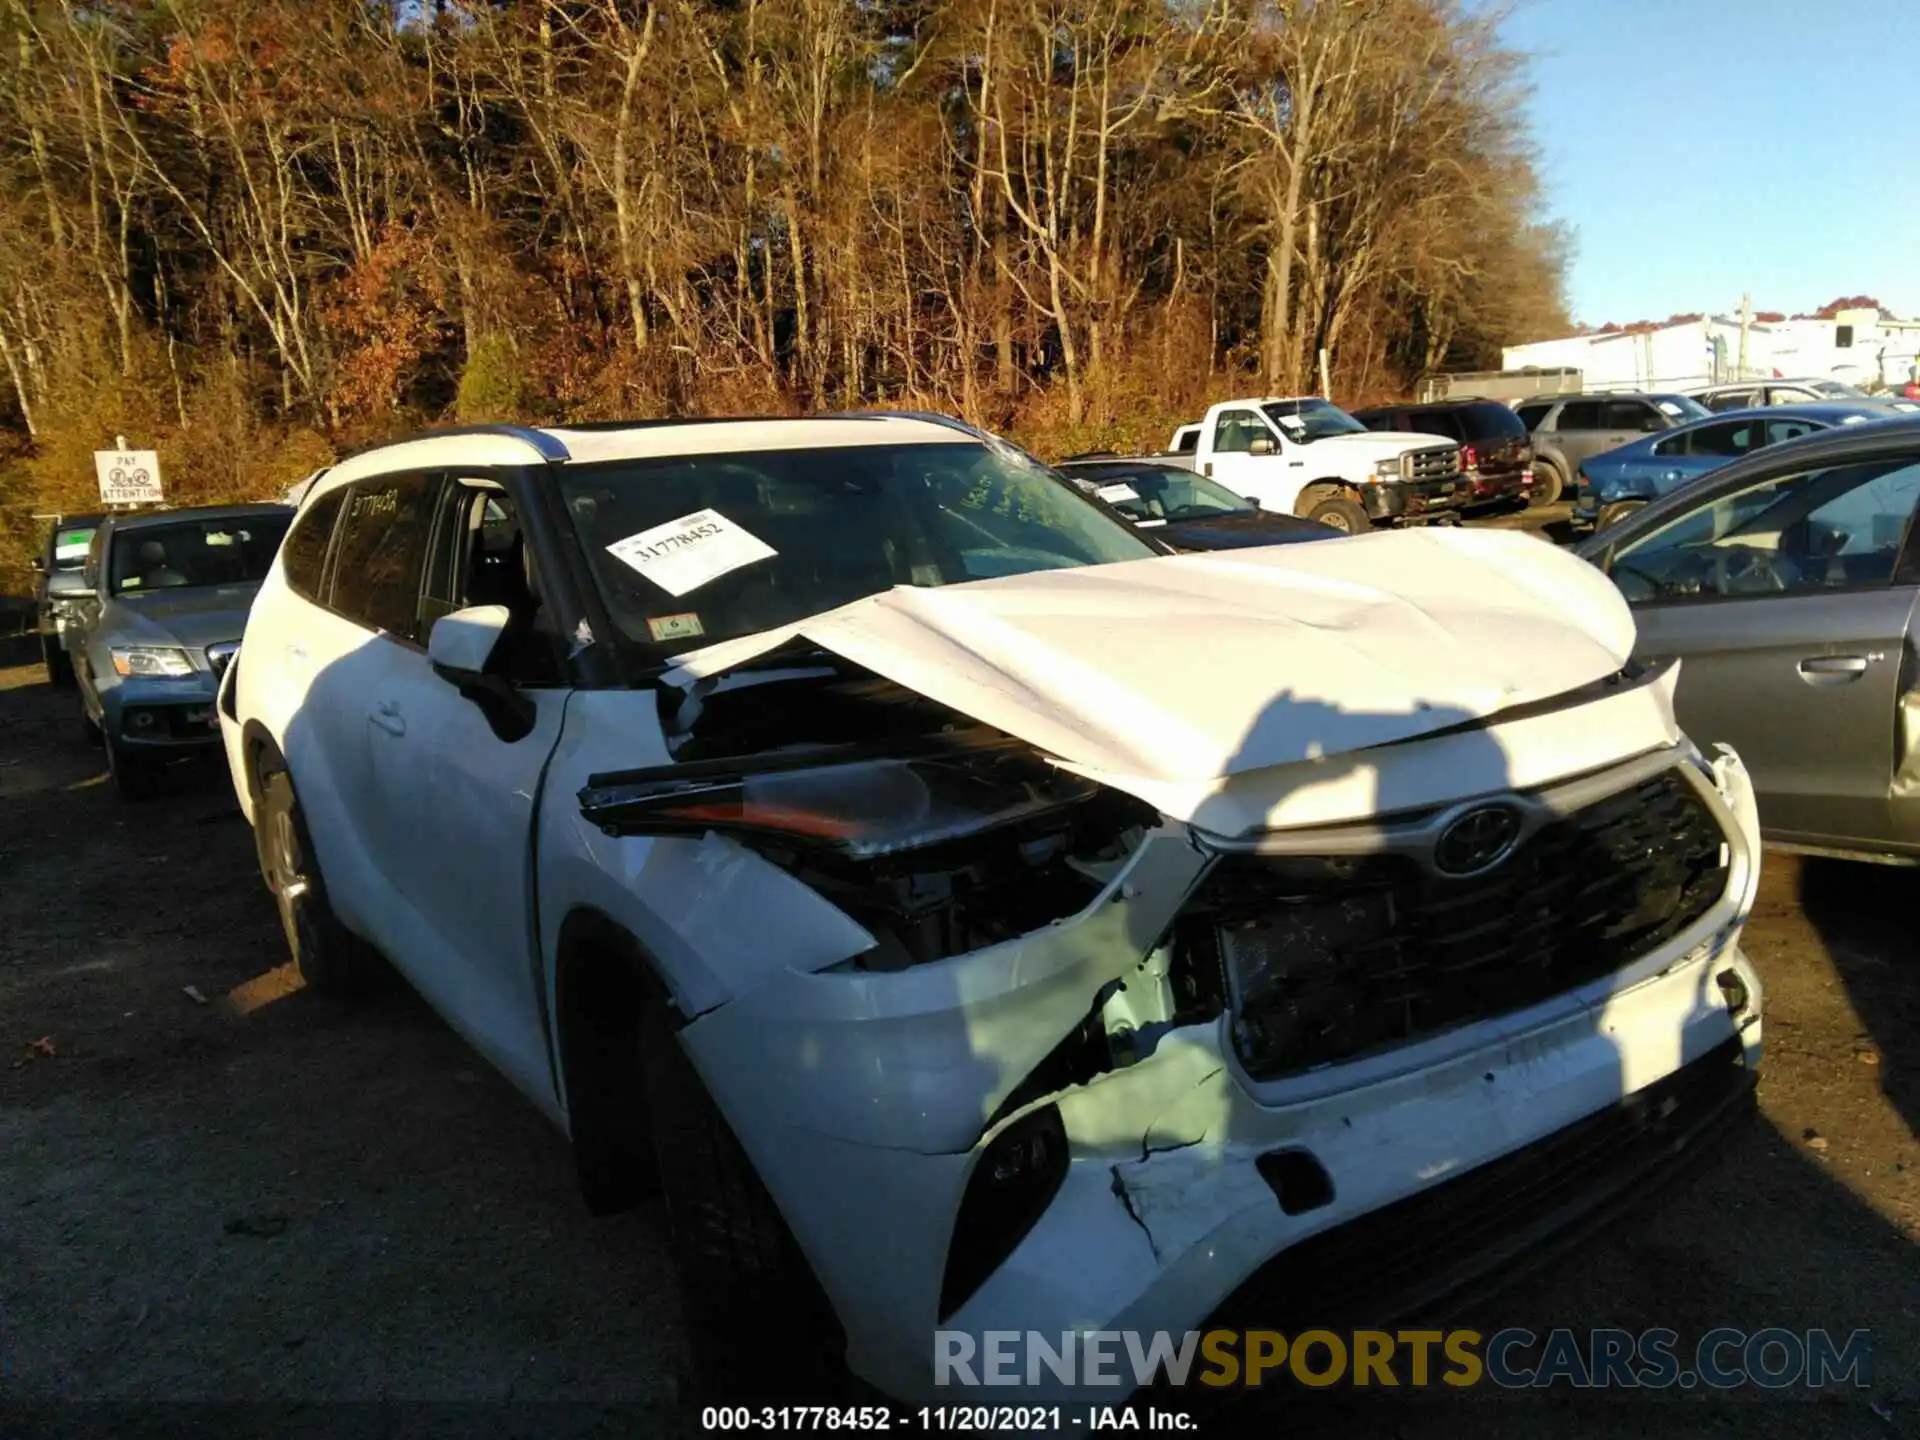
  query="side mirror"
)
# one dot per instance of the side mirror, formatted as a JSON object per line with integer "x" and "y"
{"x": 1261, "y": 445}
{"x": 458, "y": 648}
{"x": 465, "y": 640}
{"x": 1253, "y": 500}
{"x": 39, "y": 565}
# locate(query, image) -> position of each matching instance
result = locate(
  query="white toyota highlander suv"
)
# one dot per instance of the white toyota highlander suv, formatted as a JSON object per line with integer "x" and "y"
{"x": 972, "y": 918}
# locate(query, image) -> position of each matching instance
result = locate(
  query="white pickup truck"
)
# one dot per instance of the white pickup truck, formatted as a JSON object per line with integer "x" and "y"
{"x": 1305, "y": 456}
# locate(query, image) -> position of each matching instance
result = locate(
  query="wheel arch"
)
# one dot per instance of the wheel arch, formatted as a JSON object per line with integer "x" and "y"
{"x": 604, "y": 982}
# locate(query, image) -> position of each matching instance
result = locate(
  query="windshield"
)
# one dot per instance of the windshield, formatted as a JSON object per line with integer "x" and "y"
{"x": 232, "y": 551}
{"x": 1309, "y": 420}
{"x": 1149, "y": 493}
{"x": 1836, "y": 390}
{"x": 70, "y": 544}
{"x": 687, "y": 550}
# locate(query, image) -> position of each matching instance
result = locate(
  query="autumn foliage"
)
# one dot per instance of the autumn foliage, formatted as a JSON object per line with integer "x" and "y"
{"x": 255, "y": 231}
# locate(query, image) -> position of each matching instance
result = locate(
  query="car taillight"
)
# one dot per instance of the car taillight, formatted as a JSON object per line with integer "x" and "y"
{"x": 1469, "y": 457}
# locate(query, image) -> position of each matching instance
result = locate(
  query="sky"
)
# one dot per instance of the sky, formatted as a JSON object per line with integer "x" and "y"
{"x": 1705, "y": 148}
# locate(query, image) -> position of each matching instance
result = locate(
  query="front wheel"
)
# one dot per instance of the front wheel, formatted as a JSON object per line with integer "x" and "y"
{"x": 1340, "y": 513}
{"x": 59, "y": 664}
{"x": 332, "y": 959}
{"x": 741, "y": 1271}
{"x": 136, "y": 777}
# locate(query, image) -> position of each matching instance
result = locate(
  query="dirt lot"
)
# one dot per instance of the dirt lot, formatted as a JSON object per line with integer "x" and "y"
{"x": 270, "y": 1199}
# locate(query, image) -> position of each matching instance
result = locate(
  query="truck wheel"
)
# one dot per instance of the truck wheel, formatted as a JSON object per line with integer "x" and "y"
{"x": 1547, "y": 484}
{"x": 741, "y": 1271}
{"x": 1342, "y": 514}
{"x": 1613, "y": 514}
{"x": 332, "y": 959}
{"x": 135, "y": 777}
{"x": 59, "y": 664}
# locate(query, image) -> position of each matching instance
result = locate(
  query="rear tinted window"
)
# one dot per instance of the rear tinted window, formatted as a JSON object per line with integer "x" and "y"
{"x": 1531, "y": 415}
{"x": 1579, "y": 415}
{"x": 1444, "y": 423}
{"x": 304, "y": 556}
{"x": 383, "y": 553}
{"x": 1491, "y": 422}
{"x": 1378, "y": 419}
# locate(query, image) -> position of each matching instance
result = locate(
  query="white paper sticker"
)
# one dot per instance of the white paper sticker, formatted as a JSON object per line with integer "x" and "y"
{"x": 1290, "y": 422}
{"x": 1667, "y": 407}
{"x": 685, "y": 554}
{"x": 1115, "y": 493}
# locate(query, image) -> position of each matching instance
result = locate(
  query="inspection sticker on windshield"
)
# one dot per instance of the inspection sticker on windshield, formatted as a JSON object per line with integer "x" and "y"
{"x": 685, "y": 554}
{"x": 1115, "y": 493}
{"x": 675, "y": 627}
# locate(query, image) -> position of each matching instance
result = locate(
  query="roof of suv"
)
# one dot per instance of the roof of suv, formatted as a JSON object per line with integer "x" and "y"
{"x": 597, "y": 442}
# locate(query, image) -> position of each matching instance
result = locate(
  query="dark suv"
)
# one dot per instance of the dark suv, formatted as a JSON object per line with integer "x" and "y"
{"x": 1567, "y": 430}
{"x": 58, "y": 593}
{"x": 1495, "y": 455}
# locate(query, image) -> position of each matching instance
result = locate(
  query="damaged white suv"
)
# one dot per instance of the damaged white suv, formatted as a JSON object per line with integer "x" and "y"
{"x": 974, "y": 919}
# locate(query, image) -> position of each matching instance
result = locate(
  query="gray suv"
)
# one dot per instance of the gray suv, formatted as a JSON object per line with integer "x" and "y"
{"x": 164, "y": 598}
{"x": 1570, "y": 430}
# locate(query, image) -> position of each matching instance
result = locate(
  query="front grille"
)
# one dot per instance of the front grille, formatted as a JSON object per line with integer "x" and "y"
{"x": 1435, "y": 463}
{"x": 1329, "y": 958}
{"x": 220, "y": 655}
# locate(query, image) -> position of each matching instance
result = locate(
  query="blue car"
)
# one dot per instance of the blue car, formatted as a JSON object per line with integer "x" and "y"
{"x": 1612, "y": 485}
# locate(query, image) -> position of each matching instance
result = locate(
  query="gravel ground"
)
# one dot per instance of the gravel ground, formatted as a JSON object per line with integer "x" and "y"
{"x": 217, "y": 1187}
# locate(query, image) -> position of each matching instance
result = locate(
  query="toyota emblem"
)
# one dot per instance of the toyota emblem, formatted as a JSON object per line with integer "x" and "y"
{"x": 1477, "y": 840}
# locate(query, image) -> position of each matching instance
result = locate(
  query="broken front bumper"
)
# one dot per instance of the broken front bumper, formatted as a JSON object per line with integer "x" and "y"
{"x": 867, "y": 1100}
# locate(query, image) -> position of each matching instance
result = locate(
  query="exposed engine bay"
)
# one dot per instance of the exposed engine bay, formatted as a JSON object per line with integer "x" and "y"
{"x": 939, "y": 835}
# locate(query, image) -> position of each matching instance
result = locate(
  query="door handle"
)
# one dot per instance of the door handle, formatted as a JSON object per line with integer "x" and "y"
{"x": 1836, "y": 669}
{"x": 388, "y": 717}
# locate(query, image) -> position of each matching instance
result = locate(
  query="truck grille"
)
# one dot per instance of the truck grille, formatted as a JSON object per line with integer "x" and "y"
{"x": 1434, "y": 463}
{"x": 1329, "y": 958}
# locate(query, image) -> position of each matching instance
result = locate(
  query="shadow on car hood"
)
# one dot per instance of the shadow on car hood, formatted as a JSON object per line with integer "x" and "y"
{"x": 1195, "y": 667}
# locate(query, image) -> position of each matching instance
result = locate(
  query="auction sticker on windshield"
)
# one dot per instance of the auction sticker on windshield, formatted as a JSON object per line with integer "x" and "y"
{"x": 684, "y": 554}
{"x": 1117, "y": 492}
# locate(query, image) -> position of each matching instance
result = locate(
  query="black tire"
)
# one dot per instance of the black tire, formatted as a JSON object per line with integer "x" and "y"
{"x": 135, "y": 777}
{"x": 1341, "y": 513}
{"x": 1613, "y": 514}
{"x": 332, "y": 959}
{"x": 742, "y": 1274}
{"x": 1548, "y": 484}
{"x": 59, "y": 664}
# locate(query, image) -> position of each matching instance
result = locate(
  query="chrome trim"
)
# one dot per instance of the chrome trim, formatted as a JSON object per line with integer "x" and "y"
{"x": 1419, "y": 833}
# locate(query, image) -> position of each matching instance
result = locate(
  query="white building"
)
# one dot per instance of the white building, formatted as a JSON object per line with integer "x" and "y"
{"x": 1857, "y": 346}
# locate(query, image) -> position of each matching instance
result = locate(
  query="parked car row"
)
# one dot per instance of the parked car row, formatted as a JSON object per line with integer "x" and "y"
{"x": 971, "y": 913}
{"x": 1748, "y": 394}
{"x": 1615, "y": 483}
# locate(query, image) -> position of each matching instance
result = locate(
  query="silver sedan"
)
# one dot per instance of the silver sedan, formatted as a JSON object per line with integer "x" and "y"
{"x": 1786, "y": 584}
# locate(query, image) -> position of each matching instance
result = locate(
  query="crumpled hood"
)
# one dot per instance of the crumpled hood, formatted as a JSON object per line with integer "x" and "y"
{"x": 196, "y": 616}
{"x": 1192, "y": 667}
